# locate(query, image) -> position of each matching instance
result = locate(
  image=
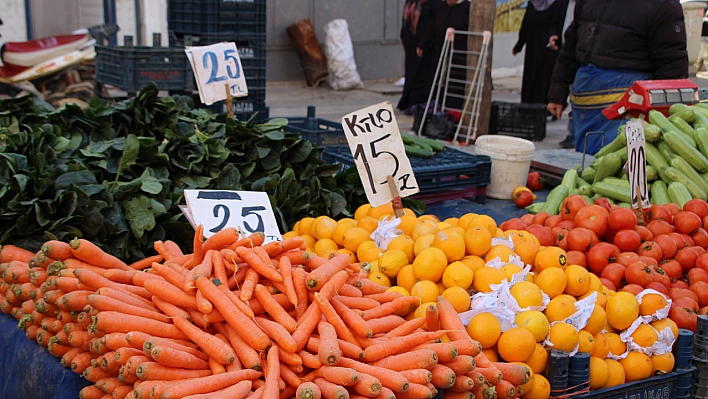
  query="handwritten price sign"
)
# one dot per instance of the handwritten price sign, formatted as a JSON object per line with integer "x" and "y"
{"x": 249, "y": 212}
{"x": 637, "y": 163}
{"x": 378, "y": 151}
{"x": 216, "y": 67}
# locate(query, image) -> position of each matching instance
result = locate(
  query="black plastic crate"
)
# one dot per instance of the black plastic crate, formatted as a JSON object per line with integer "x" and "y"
{"x": 523, "y": 120}
{"x": 660, "y": 386}
{"x": 249, "y": 46}
{"x": 132, "y": 68}
{"x": 447, "y": 169}
{"x": 213, "y": 17}
{"x": 321, "y": 132}
{"x": 243, "y": 109}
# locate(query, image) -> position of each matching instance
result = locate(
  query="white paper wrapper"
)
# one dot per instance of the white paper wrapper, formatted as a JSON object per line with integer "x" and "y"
{"x": 661, "y": 313}
{"x": 385, "y": 232}
{"x": 549, "y": 344}
{"x": 663, "y": 344}
{"x": 490, "y": 302}
{"x": 495, "y": 263}
{"x": 584, "y": 309}
{"x": 503, "y": 241}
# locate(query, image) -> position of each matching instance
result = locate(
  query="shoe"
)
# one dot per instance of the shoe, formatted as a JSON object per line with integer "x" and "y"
{"x": 568, "y": 142}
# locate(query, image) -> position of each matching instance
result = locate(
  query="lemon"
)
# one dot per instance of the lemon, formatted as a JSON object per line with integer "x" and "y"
{"x": 458, "y": 297}
{"x": 392, "y": 261}
{"x": 430, "y": 264}
{"x": 423, "y": 242}
{"x": 426, "y": 290}
{"x": 451, "y": 244}
{"x": 380, "y": 279}
{"x": 405, "y": 244}
{"x": 457, "y": 275}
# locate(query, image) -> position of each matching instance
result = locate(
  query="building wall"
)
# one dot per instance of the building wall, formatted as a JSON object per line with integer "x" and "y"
{"x": 14, "y": 26}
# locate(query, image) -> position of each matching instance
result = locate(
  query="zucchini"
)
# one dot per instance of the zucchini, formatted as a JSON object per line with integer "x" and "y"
{"x": 701, "y": 119}
{"x": 569, "y": 179}
{"x": 700, "y": 134}
{"x": 423, "y": 146}
{"x": 616, "y": 181}
{"x": 704, "y": 176}
{"x": 683, "y": 126}
{"x": 665, "y": 150}
{"x": 659, "y": 194}
{"x": 624, "y": 205}
{"x": 574, "y": 191}
{"x": 595, "y": 198}
{"x": 651, "y": 173}
{"x": 678, "y": 194}
{"x": 677, "y": 176}
{"x": 535, "y": 207}
{"x": 595, "y": 163}
{"x": 555, "y": 199}
{"x": 609, "y": 165}
{"x": 614, "y": 191}
{"x": 676, "y": 142}
{"x": 686, "y": 168}
{"x": 617, "y": 143}
{"x": 651, "y": 133}
{"x": 407, "y": 138}
{"x": 587, "y": 199}
{"x": 656, "y": 159}
{"x": 683, "y": 111}
{"x": 589, "y": 174}
{"x": 584, "y": 188}
{"x": 434, "y": 144}
{"x": 414, "y": 151}
{"x": 623, "y": 154}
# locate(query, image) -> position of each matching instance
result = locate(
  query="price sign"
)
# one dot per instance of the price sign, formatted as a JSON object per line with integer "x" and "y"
{"x": 215, "y": 67}
{"x": 247, "y": 211}
{"x": 637, "y": 163}
{"x": 378, "y": 151}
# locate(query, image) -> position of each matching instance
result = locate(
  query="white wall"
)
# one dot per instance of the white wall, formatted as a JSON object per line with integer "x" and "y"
{"x": 154, "y": 20}
{"x": 90, "y": 13}
{"x": 125, "y": 18}
{"x": 14, "y": 27}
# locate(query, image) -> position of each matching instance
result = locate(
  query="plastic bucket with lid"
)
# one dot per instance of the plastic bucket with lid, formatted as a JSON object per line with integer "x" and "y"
{"x": 511, "y": 160}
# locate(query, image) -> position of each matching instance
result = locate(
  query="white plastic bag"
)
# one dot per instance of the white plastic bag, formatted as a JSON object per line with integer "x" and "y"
{"x": 386, "y": 232}
{"x": 340, "y": 57}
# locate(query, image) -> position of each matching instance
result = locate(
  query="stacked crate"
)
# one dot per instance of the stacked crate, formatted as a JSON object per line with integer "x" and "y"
{"x": 700, "y": 358}
{"x": 205, "y": 22}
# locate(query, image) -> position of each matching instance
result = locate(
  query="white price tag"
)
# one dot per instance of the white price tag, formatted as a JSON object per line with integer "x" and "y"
{"x": 378, "y": 151}
{"x": 636, "y": 167}
{"x": 215, "y": 67}
{"x": 247, "y": 211}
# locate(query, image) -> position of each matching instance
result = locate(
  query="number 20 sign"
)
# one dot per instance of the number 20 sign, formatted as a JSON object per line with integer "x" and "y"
{"x": 377, "y": 147}
{"x": 215, "y": 67}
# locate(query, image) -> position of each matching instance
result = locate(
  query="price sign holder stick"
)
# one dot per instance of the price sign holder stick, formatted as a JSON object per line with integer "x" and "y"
{"x": 229, "y": 102}
{"x": 640, "y": 208}
{"x": 396, "y": 201}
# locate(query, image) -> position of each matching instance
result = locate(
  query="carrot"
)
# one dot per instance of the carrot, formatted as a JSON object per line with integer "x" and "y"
{"x": 517, "y": 374}
{"x": 385, "y": 324}
{"x": 69, "y": 356}
{"x": 198, "y": 245}
{"x": 328, "y": 348}
{"x": 152, "y": 342}
{"x": 491, "y": 374}
{"x": 120, "y": 276}
{"x": 246, "y": 309}
{"x": 309, "y": 360}
{"x": 443, "y": 376}
{"x": 476, "y": 377}
{"x": 351, "y": 318}
{"x": 306, "y": 325}
{"x": 76, "y": 300}
{"x": 358, "y": 303}
{"x": 384, "y": 297}
{"x": 38, "y": 277}
{"x": 286, "y": 271}
{"x": 167, "y": 249}
{"x": 300, "y": 286}
{"x": 169, "y": 309}
{"x": 255, "y": 262}
{"x": 94, "y": 281}
{"x": 172, "y": 276}
{"x": 432, "y": 317}
{"x": 79, "y": 339}
{"x": 172, "y": 357}
{"x": 333, "y": 318}
{"x": 108, "y": 363}
{"x": 245, "y": 327}
{"x": 111, "y": 321}
{"x": 399, "y": 344}
{"x": 272, "y": 374}
{"x": 449, "y": 320}
{"x": 249, "y": 284}
{"x": 406, "y": 328}
{"x": 446, "y": 351}
{"x": 248, "y": 356}
{"x": 308, "y": 390}
{"x": 414, "y": 359}
{"x": 318, "y": 277}
{"x": 505, "y": 389}
{"x": 204, "y": 268}
{"x": 315, "y": 261}
{"x": 221, "y": 239}
{"x": 73, "y": 264}
{"x": 417, "y": 391}
{"x": 339, "y": 375}
{"x": 146, "y": 262}
{"x": 348, "y": 349}
{"x": 171, "y": 294}
{"x": 94, "y": 374}
{"x": 369, "y": 287}
{"x": 278, "y": 333}
{"x": 274, "y": 309}
{"x": 468, "y": 347}
{"x": 203, "y": 304}
{"x": 215, "y": 366}
{"x": 330, "y": 390}
{"x": 156, "y": 371}
{"x": 10, "y": 253}
{"x": 128, "y": 298}
{"x": 81, "y": 362}
{"x": 89, "y": 252}
{"x": 462, "y": 364}
{"x": 417, "y": 376}
{"x": 289, "y": 376}
{"x": 389, "y": 307}
{"x": 57, "y": 349}
{"x": 296, "y": 256}
{"x": 212, "y": 345}
{"x": 122, "y": 355}
{"x": 122, "y": 391}
{"x": 367, "y": 385}
{"x": 219, "y": 270}
{"x": 237, "y": 391}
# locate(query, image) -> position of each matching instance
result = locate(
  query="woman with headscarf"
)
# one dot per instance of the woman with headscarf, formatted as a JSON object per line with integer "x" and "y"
{"x": 536, "y": 29}
{"x": 418, "y": 15}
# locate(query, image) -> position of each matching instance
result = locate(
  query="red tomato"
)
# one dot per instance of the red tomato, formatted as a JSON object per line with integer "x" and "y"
{"x": 684, "y": 302}
{"x": 684, "y": 318}
{"x": 601, "y": 255}
{"x": 634, "y": 289}
{"x": 527, "y": 219}
{"x": 700, "y": 288}
{"x": 571, "y": 205}
{"x": 609, "y": 235}
{"x": 614, "y": 272}
{"x": 658, "y": 287}
{"x": 659, "y": 227}
{"x": 552, "y": 221}
{"x": 540, "y": 218}
{"x": 627, "y": 258}
{"x": 593, "y": 217}
{"x": 603, "y": 202}
{"x": 697, "y": 274}
{"x": 672, "y": 269}
{"x": 673, "y": 208}
{"x": 581, "y": 239}
{"x": 567, "y": 224}
{"x": 650, "y": 249}
{"x": 513, "y": 224}
{"x": 622, "y": 218}
{"x": 577, "y": 258}
{"x": 705, "y": 222}
{"x": 688, "y": 240}
{"x": 608, "y": 284}
{"x": 544, "y": 234}
{"x": 668, "y": 246}
{"x": 680, "y": 239}
{"x": 627, "y": 240}
{"x": 687, "y": 222}
{"x": 679, "y": 284}
{"x": 697, "y": 206}
{"x": 644, "y": 233}
{"x": 660, "y": 276}
{"x": 687, "y": 258}
{"x": 648, "y": 260}
{"x": 657, "y": 212}
{"x": 699, "y": 250}
{"x": 676, "y": 293}
{"x": 534, "y": 181}
{"x": 639, "y": 273}
{"x": 523, "y": 198}
{"x": 702, "y": 262}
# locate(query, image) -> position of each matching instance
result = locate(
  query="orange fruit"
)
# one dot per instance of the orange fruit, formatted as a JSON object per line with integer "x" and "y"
{"x": 405, "y": 244}
{"x": 645, "y": 336}
{"x": 664, "y": 363}
{"x": 578, "y": 280}
{"x": 484, "y": 221}
{"x": 485, "y": 277}
{"x": 451, "y": 244}
{"x": 601, "y": 347}
{"x": 430, "y": 264}
{"x": 368, "y": 252}
{"x": 550, "y": 257}
{"x": 485, "y": 329}
{"x": 587, "y": 342}
{"x": 325, "y": 244}
{"x": 599, "y": 373}
{"x": 637, "y": 366}
{"x": 406, "y": 278}
{"x": 354, "y": 237}
{"x": 535, "y": 322}
{"x": 595, "y": 283}
{"x": 426, "y": 290}
{"x": 381, "y": 210}
{"x": 407, "y": 224}
{"x": 563, "y": 337}
{"x": 473, "y": 262}
{"x": 540, "y": 389}
{"x": 526, "y": 294}
{"x": 651, "y": 303}
{"x": 491, "y": 354}
{"x": 392, "y": 261}
{"x": 660, "y": 325}
{"x": 456, "y": 274}
{"x": 516, "y": 345}
{"x": 538, "y": 360}
{"x": 499, "y": 251}
{"x": 352, "y": 255}
{"x": 552, "y": 281}
{"x": 368, "y": 223}
{"x": 601, "y": 297}
{"x": 423, "y": 242}
{"x": 309, "y": 241}
{"x": 424, "y": 227}
{"x": 527, "y": 251}
{"x": 431, "y": 218}
{"x": 559, "y": 308}
{"x": 459, "y": 230}
{"x": 324, "y": 228}
{"x": 477, "y": 241}
{"x": 458, "y": 297}
{"x": 464, "y": 220}
{"x": 510, "y": 270}
{"x": 622, "y": 309}
{"x": 452, "y": 221}
{"x": 617, "y": 347}
{"x": 362, "y": 211}
{"x": 338, "y": 233}
{"x": 615, "y": 372}
{"x": 403, "y": 312}
{"x": 597, "y": 320}
{"x": 304, "y": 226}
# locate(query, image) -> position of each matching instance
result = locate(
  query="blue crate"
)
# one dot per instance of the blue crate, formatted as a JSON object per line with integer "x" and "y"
{"x": 447, "y": 169}
{"x": 132, "y": 68}
{"x": 683, "y": 349}
{"x": 243, "y": 109}
{"x": 321, "y": 132}
{"x": 214, "y": 17}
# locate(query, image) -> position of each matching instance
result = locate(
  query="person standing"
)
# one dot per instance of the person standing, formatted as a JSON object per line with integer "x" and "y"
{"x": 609, "y": 45}
{"x": 562, "y": 20}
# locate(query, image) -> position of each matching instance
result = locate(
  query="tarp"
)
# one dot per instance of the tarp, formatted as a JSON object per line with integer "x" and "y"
{"x": 28, "y": 371}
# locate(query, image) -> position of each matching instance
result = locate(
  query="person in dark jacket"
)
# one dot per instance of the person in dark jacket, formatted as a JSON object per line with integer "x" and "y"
{"x": 608, "y": 46}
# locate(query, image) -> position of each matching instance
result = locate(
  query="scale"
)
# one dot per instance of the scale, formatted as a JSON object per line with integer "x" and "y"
{"x": 660, "y": 95}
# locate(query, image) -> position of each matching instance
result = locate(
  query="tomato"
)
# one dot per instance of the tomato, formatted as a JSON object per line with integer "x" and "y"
{"x": 702, "y": 262}
{"x": 627, "y": 258}
{"x": 534, "y": 181}
{"x": 673, "y": 208}
{"x": 571, "y": 205}
{"x": 688, "y": 240}
{"x": 697, "y": 274}
{"x": 577, "y": 258}
{"x": 679, "y": 284}
{"x": 687, "y": 258}
{"x": 543, "y": 234}
{"x": 622, "y": 218}
{"x": 627, "y": 240}
{"x": 581, "y": 239}
{"x": 705, "y": 221}
{"x": 684, "y": 302}
{"x": 634, "y": 289}
{"x": 684, "y": 318}
{"x": 699, "y": 250}
{"x": 680, "y": 239}
{"x": 658, "y": 287}
{"x": 672, "y": 269}
{"x": 540, "y": 218}
{"x": 657, "y": 212}
{"x": 650, "y": 249}
{"x": 513, "y": 224}
{"x": 660, "y": 276}
{"x": 697, "y": 206}
{"x": 687, "y": 222}
{"x": 608, "y": 284}
{"x": 639, "y": 273}
{"x": 527, "y": 219}
{"x": 668, "y": 246}
{"x": 614, "y": 272}
{"x": 648, "y": 260}
{"x": 593, "y": 217}
{"x": 601, "y": 255}
{"x": 552, "y": 221}
{"x": 700, "y": 288}
{"x": 659, "y": 227}
{"x": 644, "y": 233}
{"x": 523, "y": 198}
{"x": 676, "y": 293}
{"x": 703, "y": 311}
{"x": 566, "y": 224}
{"x": 603, "y": 202}
{"x": 609, "y": 235}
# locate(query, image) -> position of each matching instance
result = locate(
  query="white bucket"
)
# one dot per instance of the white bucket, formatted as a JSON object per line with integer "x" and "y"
{"x": 511, "y": 160}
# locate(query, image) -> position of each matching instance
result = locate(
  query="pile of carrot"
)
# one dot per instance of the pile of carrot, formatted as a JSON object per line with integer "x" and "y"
{"x": 240, "y": 318}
